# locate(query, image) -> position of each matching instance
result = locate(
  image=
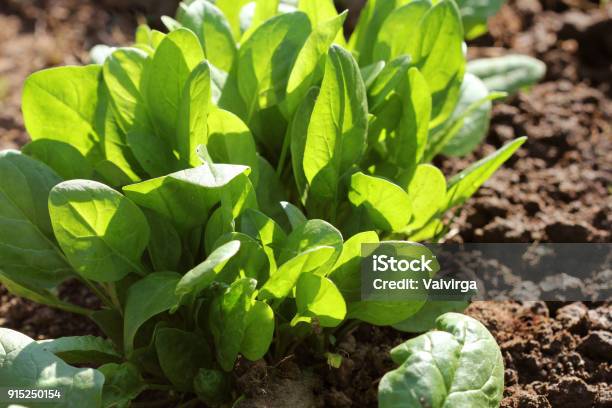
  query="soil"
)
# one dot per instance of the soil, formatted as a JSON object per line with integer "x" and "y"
{"x": 556, "y": 189}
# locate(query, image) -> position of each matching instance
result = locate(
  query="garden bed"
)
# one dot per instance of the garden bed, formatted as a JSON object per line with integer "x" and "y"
{"x": 556, "y": 189}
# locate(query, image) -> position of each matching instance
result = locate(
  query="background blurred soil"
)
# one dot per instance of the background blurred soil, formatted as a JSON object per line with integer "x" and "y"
{"x": 556, "y": 189}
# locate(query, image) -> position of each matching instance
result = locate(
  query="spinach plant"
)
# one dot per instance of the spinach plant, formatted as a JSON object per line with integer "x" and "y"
{"x": 213, "y": 185}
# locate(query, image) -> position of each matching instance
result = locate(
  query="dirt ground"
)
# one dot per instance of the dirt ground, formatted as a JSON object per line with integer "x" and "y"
{"x": 556, "y": 189}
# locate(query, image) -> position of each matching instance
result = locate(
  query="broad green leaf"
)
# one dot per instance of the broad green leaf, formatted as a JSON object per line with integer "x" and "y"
{"x": 476, "y": 123}
{"x": 129, "y": 136}
{"x": 364, "y": 36}
{"x": 82, "y": 349}
{"x": 192, "y": 127}
{"x": 408, "y": 144}
{"x": 440, "y": 57}
{"x": 400, "y": 32}
{"x": 230, "y": 141}
{"x": 338, "y": 127}
{"x": 181, "y": 354}
{"x": 264, "y": 10}
{"x": 165, "y": 245}
{"x": 266, "y": 59}
{"x": 152, "y": 151}
{"x": 186, "y": 197}
{"x": 265, "y": 230}
{"x": 251, "y": 260}
{"x": 28, "y": 252}
{"x": 102, "y": 233}
{"x": 122, "y": 384}
{"x": 508, "y": 73}
{"x": 228, "y": 315}
{"x": 387, "y": 83}
{"x": 294, "y": 215}
{"x": 370, "y": 73}
{"x": 458, "y": 365}
{"x": 427, "y": 195}
{"x": 176, "y": 56}
{"x": 24, "y": 364}
{"x": 123, "y": 73}
{"x": 321, "y": 11}
{"x": 64, "y": 159}
{"x": 119, "y": 166}
{"x": 318, "y": 298}
{"x": 463, "y": 185}
{"x": 156, "y": 38}
{"x": 382, "y": 125}
{"x": 297, "y": 133}
{"x": 143, "y": 35}
{"x": 170, "y": 23}
{"x": 311, "y": 234}
{"x": 346, "y": 272}
{"x": 310, "y": 62}
{"x": 231, "y": 10}
{"x": 213, "y": 31}
{"x": 212, "y": 386}
{"x": 441, "y": 135}
{"x": 200, "y": 277}
{"x": 387, "y": 204}
{"x": 425, "y": 319}
{"x": 259, "y": 331}
{"x": 284, "y": 279}
{"x": 146, "y": 298}
{"x": 60, "y": 104}
{"x": 475, "y": 14}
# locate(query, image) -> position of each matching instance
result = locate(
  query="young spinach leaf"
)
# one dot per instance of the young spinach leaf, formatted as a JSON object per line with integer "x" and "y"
{"x": 25, "y": 364}
{"x": 458, "y": 365}
{"x": 337, "y": 130}
{"x": 102, "y": 233}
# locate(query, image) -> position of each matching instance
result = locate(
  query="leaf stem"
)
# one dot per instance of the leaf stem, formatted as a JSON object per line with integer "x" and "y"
{"x": 112, "y": 292}
{"x": 69, "y": 307}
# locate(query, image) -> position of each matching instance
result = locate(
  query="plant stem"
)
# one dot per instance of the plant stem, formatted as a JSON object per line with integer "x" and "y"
{"x": 69, "y": 307}
{"x": 112, "y": 292}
